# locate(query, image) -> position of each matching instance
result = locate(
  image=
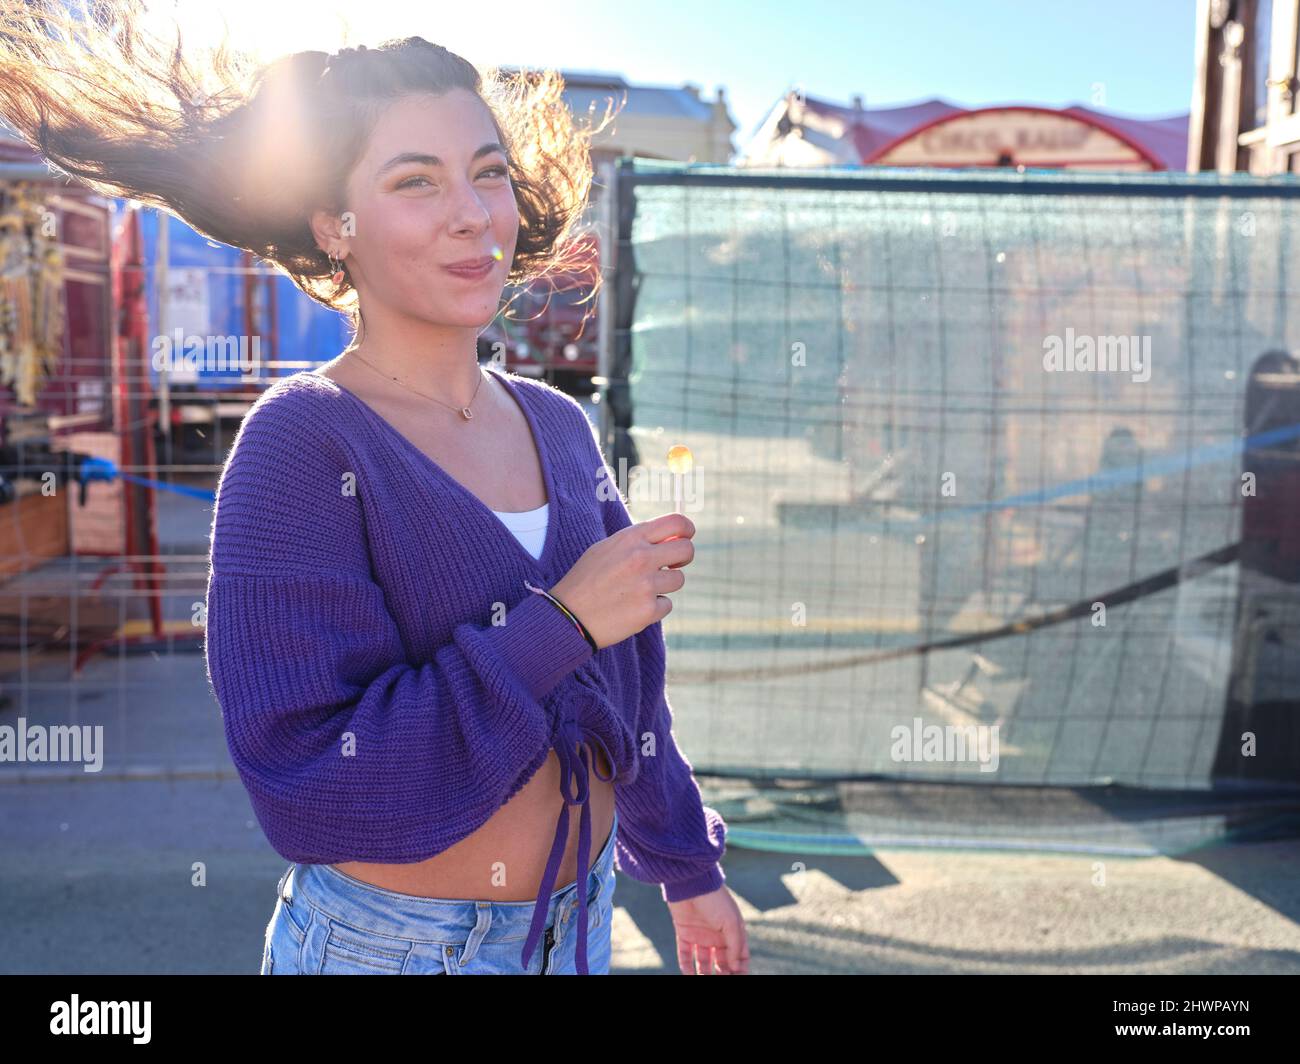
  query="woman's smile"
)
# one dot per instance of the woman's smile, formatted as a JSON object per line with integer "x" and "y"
{"x": 473, "y": 272}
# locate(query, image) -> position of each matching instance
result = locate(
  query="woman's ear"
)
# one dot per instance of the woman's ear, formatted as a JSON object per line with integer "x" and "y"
{"x": 328, "y": 229}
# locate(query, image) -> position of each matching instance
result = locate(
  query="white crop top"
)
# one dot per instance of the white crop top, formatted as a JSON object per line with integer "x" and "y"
{"x": 529, "y": 527}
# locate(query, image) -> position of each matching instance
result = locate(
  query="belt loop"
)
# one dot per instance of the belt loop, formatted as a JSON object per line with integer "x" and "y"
{"x": 476, "y": 936}
{"x": 287, "y": 895}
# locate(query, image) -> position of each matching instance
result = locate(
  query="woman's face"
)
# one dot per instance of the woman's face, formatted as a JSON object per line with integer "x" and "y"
{"x": 432, "y": 190}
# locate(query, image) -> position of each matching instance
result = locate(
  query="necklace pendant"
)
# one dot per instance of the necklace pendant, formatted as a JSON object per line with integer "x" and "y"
{"x": 466, "y": 413}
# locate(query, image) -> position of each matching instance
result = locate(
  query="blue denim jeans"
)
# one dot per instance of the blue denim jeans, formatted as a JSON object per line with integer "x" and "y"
{"x": 329, "y": 923}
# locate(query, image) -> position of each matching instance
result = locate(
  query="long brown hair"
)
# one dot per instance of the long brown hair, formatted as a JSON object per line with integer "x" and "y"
{"x": 243, "y": 153}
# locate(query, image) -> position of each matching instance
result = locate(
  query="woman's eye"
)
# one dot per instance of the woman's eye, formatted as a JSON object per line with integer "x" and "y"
{"x": 491, "y": 171}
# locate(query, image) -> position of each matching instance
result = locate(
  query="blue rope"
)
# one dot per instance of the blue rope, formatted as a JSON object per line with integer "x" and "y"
{"x": 104, "y": 469}
{"x": 1099, "y": 482}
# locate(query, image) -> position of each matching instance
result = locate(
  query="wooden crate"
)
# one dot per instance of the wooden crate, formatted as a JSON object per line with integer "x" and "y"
{"x": 33, "y": 529}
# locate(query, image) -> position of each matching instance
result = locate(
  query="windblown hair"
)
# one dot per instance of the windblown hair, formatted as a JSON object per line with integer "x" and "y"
{"x": 244, "y": 153}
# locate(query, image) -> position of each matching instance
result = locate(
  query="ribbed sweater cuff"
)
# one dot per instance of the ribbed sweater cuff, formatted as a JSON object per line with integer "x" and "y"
{"x": 704, "y": 883}
{"x": 540, "y": 644}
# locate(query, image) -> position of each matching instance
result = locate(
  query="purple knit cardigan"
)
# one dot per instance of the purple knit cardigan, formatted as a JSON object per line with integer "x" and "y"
{"x": 356, "y": 588}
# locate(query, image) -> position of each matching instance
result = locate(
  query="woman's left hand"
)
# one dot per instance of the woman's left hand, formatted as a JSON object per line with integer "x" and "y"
{"x": 710, "y": 930}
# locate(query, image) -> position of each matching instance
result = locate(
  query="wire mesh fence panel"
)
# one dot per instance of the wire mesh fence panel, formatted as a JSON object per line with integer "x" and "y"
{"x": 979, "y": 492}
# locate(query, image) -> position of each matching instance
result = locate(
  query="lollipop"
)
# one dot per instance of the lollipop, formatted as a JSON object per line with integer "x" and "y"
{"x": 679, "y": 464}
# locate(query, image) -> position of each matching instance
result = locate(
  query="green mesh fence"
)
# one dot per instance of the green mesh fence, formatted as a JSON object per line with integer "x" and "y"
{"x": 953, "y": 583}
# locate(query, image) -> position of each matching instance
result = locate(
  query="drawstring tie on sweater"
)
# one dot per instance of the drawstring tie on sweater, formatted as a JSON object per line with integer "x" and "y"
{"x": 574, "y": 737}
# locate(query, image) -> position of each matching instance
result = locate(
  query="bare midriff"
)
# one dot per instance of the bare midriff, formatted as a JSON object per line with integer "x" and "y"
{"x": 504, "y": 859}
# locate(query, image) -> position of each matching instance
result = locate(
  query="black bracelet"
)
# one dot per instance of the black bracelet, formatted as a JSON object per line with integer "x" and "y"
{"x": 566, "y": 611}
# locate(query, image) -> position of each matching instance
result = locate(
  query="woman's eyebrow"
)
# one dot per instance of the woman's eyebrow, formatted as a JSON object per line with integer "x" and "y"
{"x": 433, "y": 160}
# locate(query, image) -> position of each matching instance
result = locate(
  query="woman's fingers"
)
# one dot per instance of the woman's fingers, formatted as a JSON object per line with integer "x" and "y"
{"x": 674, "y": 553}
{"x": 669, "y": 526}
{"x": 667, "y": 580}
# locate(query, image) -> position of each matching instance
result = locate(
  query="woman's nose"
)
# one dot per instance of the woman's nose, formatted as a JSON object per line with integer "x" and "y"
{"x": 470, "y": 213}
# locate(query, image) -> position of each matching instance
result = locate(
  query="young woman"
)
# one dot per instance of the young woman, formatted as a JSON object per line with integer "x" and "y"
{"x": 432, "y": 628}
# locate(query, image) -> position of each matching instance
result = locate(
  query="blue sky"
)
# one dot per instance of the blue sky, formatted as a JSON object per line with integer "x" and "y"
{"x": 971, "y": 52}
{"x": 1130, "y": 56}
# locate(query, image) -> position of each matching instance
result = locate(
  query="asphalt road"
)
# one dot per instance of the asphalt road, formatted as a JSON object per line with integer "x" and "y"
{"x": 97, "y": 876}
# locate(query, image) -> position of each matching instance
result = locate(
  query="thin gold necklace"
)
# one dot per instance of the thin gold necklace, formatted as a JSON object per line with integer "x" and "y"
{"x": 465, "y": 411}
